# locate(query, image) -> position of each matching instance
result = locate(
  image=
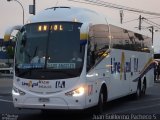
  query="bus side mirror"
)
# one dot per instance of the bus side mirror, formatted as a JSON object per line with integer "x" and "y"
{"x": 9, "y": 31}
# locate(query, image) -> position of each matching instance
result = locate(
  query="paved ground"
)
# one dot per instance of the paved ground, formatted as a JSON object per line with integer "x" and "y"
{"x": 5, "y": 85}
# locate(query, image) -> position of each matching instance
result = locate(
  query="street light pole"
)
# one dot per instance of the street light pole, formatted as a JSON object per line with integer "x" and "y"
{"x": 21, "y": 7}
{"x": 152, "y": 34}
{"x": 151, "y": 29}
{"x": 34, "y": 4}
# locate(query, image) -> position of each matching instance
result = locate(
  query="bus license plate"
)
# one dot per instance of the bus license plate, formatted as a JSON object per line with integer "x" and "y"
{"x": 43, "y": 99}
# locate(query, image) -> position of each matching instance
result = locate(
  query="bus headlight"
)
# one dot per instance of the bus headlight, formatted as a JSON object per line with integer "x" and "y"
{"x": 77, "y": 92}
{"x": 16, "y": 91}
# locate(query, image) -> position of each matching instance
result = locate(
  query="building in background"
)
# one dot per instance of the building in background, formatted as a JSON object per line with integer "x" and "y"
{"x": 6, "y": 52}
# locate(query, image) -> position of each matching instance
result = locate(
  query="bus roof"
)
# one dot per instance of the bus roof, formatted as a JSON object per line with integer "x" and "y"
{"x": 76, "y": 14}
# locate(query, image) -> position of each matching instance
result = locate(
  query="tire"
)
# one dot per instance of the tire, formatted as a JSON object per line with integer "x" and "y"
{"x": 137, "y": 95}
{"x": 143, "y": 90}
{"x": 100, "y": 105}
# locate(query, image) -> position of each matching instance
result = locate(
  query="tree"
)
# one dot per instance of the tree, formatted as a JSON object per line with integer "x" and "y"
{"x": 10, "y": 52}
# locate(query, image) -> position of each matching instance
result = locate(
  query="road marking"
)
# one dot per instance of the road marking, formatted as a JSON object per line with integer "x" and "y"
{"x": 3, "y": 100}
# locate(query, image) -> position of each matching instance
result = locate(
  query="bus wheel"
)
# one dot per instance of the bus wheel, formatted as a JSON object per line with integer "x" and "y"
{"x": 137, "y": 95}
{"x": 100, "y": 106}
{"x": 143, "y": 91}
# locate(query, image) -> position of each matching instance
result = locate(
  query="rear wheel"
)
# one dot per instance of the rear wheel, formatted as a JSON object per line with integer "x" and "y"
{"x": 143, "y": 91}
{"x": 137, "y": 95}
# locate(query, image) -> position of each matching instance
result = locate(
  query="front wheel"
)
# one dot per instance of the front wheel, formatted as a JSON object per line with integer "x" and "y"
{"x": 100, "y": 105}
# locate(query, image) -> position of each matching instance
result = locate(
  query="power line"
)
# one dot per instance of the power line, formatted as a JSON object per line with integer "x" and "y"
{"x": 153, "y": 18}
{"x": 154, "y": 23}
{"x": 151, "y": 22}
{"x": 115, "y": 6}
{"x": 130, "y": 20}
{"x": 130, "y": 9}
{"x": 82, "y": 2}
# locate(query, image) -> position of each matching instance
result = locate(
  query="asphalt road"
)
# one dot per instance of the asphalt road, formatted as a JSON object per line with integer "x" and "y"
{"x": 5, "y": 85}
{"x": 146, "y": 108}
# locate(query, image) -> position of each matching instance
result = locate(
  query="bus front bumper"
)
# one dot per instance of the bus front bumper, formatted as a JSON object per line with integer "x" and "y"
{"x": 49, "y": 103}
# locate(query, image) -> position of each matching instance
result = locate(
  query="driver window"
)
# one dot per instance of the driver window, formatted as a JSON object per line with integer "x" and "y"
{"x": 23, "y": 47}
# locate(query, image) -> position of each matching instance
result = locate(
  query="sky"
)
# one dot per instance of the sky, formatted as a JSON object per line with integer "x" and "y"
{"x": 11, "y": 13}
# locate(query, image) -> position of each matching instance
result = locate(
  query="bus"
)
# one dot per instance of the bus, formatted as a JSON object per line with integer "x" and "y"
{"x": 113, "y": 61}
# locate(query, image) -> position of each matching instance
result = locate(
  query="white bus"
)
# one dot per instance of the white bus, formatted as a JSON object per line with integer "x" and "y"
{"x": 112, "y": 61}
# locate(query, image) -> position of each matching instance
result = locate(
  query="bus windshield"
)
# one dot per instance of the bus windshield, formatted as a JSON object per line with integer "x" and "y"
{"x": 49, "y": 51}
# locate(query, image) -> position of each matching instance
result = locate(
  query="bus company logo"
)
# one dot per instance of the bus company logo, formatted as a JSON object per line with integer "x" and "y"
{"x": 120, "y": 67}
{"x": 39, "y": 84}
{"x": 30, "y": 84}
{"x": 124, "y": 66}
{"x": 44, "y": 84}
